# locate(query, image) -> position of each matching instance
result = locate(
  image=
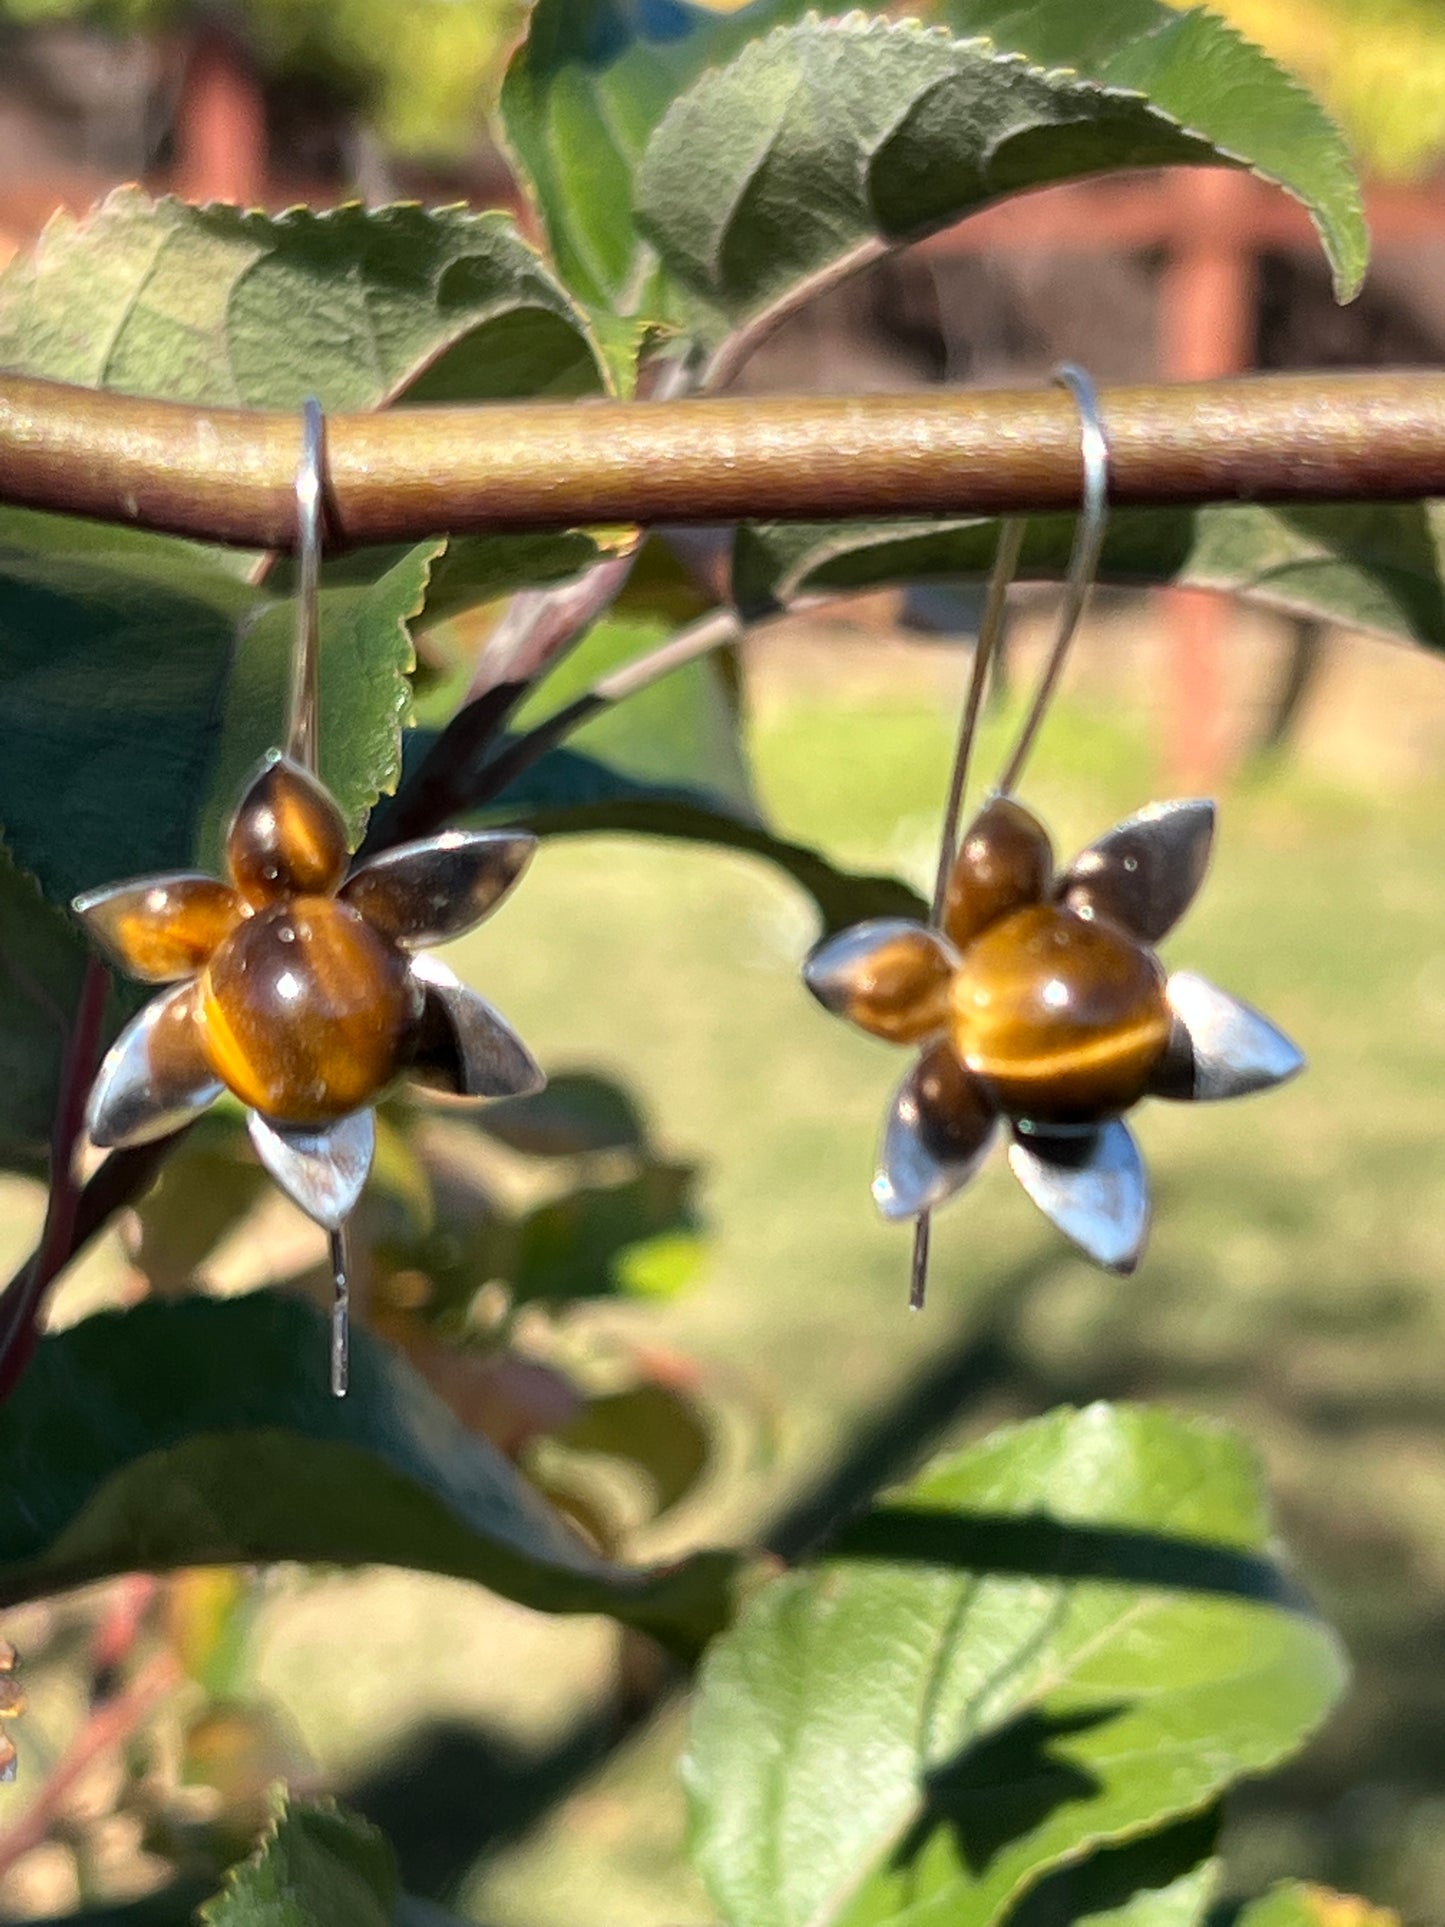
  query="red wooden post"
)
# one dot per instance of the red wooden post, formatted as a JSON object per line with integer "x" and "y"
{"x": 1206, "y": 325}
{"x": 220, "y": 123}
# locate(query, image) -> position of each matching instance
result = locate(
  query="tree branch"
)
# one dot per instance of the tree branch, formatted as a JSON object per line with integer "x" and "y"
{"x": 224, "y": 475}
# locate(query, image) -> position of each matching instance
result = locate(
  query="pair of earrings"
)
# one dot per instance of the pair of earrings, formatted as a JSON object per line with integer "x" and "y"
{"x": 1034, "y": 999}
{"x": 1033, "y": 995}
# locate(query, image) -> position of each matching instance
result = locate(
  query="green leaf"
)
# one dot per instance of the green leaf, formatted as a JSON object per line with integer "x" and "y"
{"x": 685, "y": 723}
{"x": 824, "y": 141}
{"x": 42, "y": 962}
{"x": 1196, "y": 68}
{"x": 315, "y": 1866}
{"x": 156, "y": 681}
{"x": 1167, "y": 1879}
{"x": 638, "y": 1238}
{"x": 580, "y": 101}
{"x": 1380, "y": 567}
{"x": 1063, "y": 1637}
{"x": 358, "y": 306}
{"x": 202, "y": 1432}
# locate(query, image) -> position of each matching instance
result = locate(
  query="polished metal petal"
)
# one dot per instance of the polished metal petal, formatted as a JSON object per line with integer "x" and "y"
{"x": 1219, "y": 1047}
{"x": 153, "y": 1078}
{"x": 160, "y": 928}
{"x": 925, "y": 1157}
{"x": 465, "y": 1047}
{"x": 321, "y": 1167}
{"x": 890, "y": 976}
{"x": 1144, "y": 872}
{"x": 429, "y": 892}
{"x": 1092, "y": 1185}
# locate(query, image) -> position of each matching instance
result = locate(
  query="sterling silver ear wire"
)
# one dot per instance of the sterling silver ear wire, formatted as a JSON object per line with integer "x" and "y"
{"x": 301, "y": 748}
{"x": 1035, "y": 999}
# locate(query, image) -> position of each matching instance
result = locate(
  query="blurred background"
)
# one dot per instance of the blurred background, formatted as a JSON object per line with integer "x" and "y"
{"x": 1296, "y": 1282}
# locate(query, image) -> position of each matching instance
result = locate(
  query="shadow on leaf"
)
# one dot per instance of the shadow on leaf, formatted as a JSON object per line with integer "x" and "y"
{"x": 1004, "y": 1787}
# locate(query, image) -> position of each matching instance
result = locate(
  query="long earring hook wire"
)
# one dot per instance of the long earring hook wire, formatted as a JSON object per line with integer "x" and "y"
{"x": 301, "y": 747}
{"x": 1083, "y": 568}
{"x": 306, "y": 649}
{"x": 1083, "y": 561}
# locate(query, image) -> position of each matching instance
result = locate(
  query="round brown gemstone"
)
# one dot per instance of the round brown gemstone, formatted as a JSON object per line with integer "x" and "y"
{"x": 288, "y": 837}
{"x": 1004, "y": 862}
{"x": 1064, "y": 1018}
{"x": 303, "y": 1011}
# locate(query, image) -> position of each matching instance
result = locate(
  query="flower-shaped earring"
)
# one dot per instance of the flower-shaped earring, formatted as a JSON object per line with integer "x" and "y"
{"x": 1036, "y": 1000}
{"x": 296, "y": 987}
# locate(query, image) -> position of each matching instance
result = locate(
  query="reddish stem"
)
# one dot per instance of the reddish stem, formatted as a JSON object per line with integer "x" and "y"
{"x": 24, "y": 1299}
{"x": 112, "y": 1723}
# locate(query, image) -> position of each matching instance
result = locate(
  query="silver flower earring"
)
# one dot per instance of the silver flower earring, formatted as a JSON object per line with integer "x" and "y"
{"x": 1033, "y": 995}
{"x": 300, "y": 988}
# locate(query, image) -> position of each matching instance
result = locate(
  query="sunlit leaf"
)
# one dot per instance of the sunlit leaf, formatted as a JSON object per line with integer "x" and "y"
{"x": 1057, "y": 1639}
{"x": 824, "y": 140}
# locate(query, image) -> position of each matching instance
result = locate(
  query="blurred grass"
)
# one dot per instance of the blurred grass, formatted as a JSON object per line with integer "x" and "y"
{"x": 1294, "y": 1282}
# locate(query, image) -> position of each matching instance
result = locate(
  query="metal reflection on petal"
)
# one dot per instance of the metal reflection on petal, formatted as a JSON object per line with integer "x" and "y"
{"x": 466, "y": 1047}
{"x": 1219, "y": 1047}
{"x": 1143, "y": 873}
{"x": 937, "y": 1134}
{"x": 1092, "y": 1185}
{"x": 154, "y": 1078}
{"x": 428, "y": 892}
{"x": 323, "y": 1168}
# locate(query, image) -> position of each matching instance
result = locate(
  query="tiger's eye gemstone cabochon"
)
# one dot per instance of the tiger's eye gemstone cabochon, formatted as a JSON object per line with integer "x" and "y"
{"x": 1005, "y": 862}
{"x": 288, "y": 837}
{"x": 304, "y": 1011}
{"x": 1063, "y": 1017}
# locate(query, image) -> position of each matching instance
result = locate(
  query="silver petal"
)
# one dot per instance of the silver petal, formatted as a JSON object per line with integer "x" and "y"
{"x": 153, "y": 1078}
{"x": 468, "y": 1048}
{"x": 1144, "y": 872}
{"x": 1219, "y": 1047}
{"x": 321, "y": 1167}
{"x": 1092, "y": 1185}
{"x": 914, "y": 1173}
{"x": 429, "y": 892}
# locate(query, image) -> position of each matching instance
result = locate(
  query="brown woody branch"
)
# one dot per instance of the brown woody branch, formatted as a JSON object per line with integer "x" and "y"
{"x": 225, "y": 475}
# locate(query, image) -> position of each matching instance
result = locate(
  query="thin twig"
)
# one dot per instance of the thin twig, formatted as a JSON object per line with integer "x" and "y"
{"x": 109, "y": 1726}
{"x": 467, "y": 785}
{"x": 541, "y": 625}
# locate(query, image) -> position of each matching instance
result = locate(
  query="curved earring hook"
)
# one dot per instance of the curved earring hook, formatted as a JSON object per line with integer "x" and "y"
{"x": 1083, "y": 567}
{"x": 1083, "y": 561}
{"x": 301, "y": 720}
